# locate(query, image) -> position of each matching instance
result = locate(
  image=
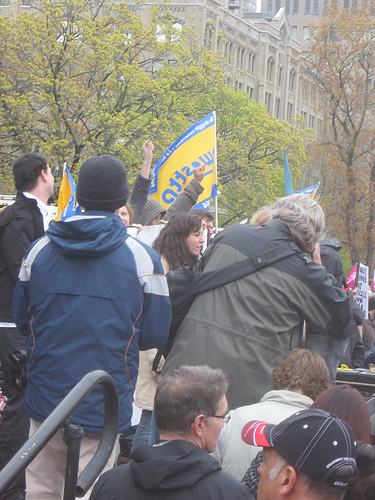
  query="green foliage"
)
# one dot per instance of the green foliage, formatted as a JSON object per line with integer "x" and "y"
{"x": 250, "y": 154}
{"x": 77, "y": 82}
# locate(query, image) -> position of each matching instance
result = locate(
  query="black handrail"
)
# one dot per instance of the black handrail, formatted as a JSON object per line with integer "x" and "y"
{"x": 57, "y": 419}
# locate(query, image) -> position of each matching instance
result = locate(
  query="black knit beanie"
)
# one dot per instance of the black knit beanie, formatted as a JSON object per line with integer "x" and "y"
{"x": 102, "y": 184}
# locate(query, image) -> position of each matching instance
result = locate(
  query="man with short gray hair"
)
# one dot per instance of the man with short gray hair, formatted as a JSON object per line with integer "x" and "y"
{"x": 190, "y": 411}
{"x": 250, "y": 325}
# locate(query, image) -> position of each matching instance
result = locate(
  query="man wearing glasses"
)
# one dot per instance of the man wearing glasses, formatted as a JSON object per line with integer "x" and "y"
{"x": 190, "y": 411}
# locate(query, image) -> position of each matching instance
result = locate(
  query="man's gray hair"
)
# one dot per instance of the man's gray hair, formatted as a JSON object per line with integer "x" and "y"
{"x": 186, "y": 393}
{"x": 279, "y": 464}
{"x": 314, "y": 488}
{"x": 313, "y": 233}
{"x": 303, "y": 215}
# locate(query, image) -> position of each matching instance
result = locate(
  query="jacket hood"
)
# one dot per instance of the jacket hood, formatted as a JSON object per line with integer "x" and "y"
{"x": 91, "y": 234}
{"x": 170, "y": 465}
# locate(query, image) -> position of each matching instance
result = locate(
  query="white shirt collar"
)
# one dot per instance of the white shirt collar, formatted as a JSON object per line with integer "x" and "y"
{"x": 42, "y": 207}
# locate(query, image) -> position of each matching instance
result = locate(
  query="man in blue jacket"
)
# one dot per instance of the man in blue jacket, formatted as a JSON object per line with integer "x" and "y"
{"x": 88, "y": 297}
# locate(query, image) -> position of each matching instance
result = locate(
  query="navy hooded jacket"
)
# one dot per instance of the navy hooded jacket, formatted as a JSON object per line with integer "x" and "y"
{"x": 88, "y": 297}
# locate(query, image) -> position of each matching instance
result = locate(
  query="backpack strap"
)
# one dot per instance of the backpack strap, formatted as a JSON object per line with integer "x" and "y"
{"x": 214, "y": 279}
{"x": 202, "y": 282}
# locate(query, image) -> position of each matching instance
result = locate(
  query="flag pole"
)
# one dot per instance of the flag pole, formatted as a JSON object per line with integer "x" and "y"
{"x": 216, "y": 204}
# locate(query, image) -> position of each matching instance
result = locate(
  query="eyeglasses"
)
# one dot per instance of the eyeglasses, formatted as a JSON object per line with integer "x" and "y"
{"x": 225, "y": 418}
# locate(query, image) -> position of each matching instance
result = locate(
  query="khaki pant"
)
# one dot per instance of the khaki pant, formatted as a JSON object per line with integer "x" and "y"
{"x": 46, "y": 473}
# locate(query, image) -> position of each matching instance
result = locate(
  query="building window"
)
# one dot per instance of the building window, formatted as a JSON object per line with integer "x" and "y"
{"x": 312, "y": 121}
{"x": 307, "y": 7}
{"x": 290, "y": 111}
{"x": 268, "y": 102}
{"x": 294, "y": 31}
{"x": 176, "y": 32}
{"x": 269, "y": 6}
{"x": 229, "y": 51}
{"x": 346, "y": 4}
{"x": 280, "y": 77}
{"x": 209, "y": 36}
{"x": 295, "y": 6}
{"x": 292, "y": 80}
{"x": 304, "y": 116}
{"x": 278, "y": 5}
{"x": 251, "y": 64}
{"x": 287, "y": 6}
{"x": 278, "y": 108}
{"x": 240, "y": 52}
{"x": 305, "y": 89}
{"x": 270, "y": 69}
{"x": 160, "y": 34}
{"x": 156, "y": 66}
{"x": 305, "y": 33}
{"x": 316, "y": 8}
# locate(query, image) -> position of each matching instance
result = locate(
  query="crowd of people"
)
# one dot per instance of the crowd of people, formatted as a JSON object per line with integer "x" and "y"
{"x": 244, "y": 405}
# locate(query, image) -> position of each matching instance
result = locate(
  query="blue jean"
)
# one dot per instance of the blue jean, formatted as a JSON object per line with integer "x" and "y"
{"x": 142, "y": 434}
{"x": 329, "y": 348}
{"x": 155, "y": 435}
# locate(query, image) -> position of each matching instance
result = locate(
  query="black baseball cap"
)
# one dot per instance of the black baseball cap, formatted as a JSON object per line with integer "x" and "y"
{"x": 313, "y": 441}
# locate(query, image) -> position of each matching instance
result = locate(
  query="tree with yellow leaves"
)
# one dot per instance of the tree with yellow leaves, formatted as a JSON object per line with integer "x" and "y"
{"x": 341, "y": 62}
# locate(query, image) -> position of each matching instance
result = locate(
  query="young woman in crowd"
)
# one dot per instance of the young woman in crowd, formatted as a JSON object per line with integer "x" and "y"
{"x": 179, "y": 243}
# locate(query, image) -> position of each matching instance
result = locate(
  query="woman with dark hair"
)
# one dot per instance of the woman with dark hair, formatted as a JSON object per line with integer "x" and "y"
{"x": 180, "y": 241}
{"x": 349, "y": 405}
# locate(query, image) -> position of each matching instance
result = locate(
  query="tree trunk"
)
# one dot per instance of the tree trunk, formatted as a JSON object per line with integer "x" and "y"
{"x": 370, "y": 223}
{"x": 350, "y": 210}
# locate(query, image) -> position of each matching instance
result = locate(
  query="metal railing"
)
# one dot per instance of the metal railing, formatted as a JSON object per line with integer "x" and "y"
{"x": 60, "y": 418}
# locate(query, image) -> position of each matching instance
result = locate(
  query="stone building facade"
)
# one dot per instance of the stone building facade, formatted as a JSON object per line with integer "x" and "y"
{"x": 300, "y": 14}
{"x": 261, "y": 56}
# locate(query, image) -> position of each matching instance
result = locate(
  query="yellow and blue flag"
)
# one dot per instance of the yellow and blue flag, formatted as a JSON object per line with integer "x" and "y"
{"x": 66, "y": 204}
{"x": 195, "y": 148}
{"x": 311, "y": 190}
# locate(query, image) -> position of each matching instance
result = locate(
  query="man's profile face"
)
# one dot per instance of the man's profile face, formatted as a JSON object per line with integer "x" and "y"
{"x": 209, "y": 225}
{"x": 213, "y": 427}
{"x": 267, "y": 487}
{"x": 50, "y": 181}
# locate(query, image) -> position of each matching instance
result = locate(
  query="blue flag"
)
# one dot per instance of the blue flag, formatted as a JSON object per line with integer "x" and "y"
{"x": 287, "y": 178}
{"x": 311, "y": 190}
{"x": 67, "y": 204}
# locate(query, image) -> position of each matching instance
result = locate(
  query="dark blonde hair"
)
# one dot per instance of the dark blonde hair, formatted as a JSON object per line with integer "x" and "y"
{"x": 304, "y": 370}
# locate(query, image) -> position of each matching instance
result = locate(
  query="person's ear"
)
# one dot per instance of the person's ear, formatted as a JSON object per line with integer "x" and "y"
{"x": 44, "y": 175}
{"x": 287, "y": 480}
{"x": 198, "y": 425}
